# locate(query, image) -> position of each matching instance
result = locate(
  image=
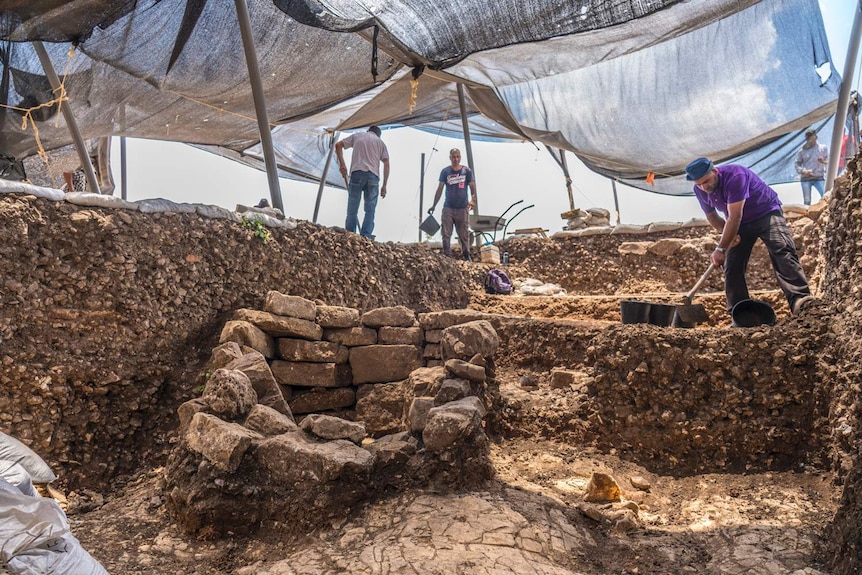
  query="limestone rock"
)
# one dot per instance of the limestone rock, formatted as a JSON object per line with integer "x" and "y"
{"x": 312, "y": 351}
{"x": 452, "y": 390}
{"x": 383, "y": 363}
{"x": 389, "y": 335}
{"x": 245, "y": 333}
{"x": 602, "y": 488}
{"x": 222, "y": 443}
{"x": 426, "y": 381}
{"x": 321, "y": 399}
{"x": 381, "y": 407}
{"x": 306, "y": 374}
{"x": 466, "y": 370}
{"x": 398, "y": 316}
{"x": 255, "y": 367}
{"x": 267, "y": 421}
{"x": 188, "y": 409}
{"x": 351, "y": 336}
{"x": 291, "y": 457}
{"x": 465, "y": 340}
{"x": 333, "y": 316}
{"x": 448, "y": 318}
{"x": 417, "y": 414}
{"x": 328, "y": 427}
{"x": 452, "y": 423}
{"x": 229, "y": 393}
{"x": 290, "y": 306}
{"x": 280, "y": 326}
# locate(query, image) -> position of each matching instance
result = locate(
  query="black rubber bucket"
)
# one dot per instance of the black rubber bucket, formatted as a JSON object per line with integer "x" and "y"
{"x": 430, "y": 225}
{"x": 661, "y": 313}
{"x": 752, "y": 313}
{"x": 633, "y": 311}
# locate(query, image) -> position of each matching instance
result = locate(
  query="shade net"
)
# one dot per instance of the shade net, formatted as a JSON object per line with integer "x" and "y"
{"x": 633, "y": 88}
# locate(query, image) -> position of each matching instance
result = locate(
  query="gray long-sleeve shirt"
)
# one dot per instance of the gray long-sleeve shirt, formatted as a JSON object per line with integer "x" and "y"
{"x": 809, "y": 159}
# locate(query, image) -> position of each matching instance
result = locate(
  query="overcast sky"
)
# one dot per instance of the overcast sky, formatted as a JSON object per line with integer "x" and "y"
{"x": 505, "y": 174}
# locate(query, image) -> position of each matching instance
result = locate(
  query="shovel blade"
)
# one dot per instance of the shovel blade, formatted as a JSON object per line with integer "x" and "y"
{"x": 694, "y": 313}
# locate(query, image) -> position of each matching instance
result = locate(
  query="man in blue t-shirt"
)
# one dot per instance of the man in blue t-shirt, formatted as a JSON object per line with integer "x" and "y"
{"x": 752, "y": 210}
{"x": 456, "y": 207}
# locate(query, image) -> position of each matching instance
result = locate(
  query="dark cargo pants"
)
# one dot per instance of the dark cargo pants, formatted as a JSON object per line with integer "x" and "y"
{"x": 772, "y": 229}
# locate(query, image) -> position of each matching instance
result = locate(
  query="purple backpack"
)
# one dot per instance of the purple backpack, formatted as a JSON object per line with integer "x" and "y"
{"x": 497, "y": 282}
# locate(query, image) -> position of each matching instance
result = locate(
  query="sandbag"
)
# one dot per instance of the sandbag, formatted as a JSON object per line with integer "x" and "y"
{"x": 13, "y": 450}
{"x": 35, "y": 537}
{"x": 17, "y": 476}
{"x": 90, "y": 199}
{"x": 663, "y": 227}
{"x": 161, "y": 205}
{"x": 10, "y": 187}
{"x": 216, "y": 213}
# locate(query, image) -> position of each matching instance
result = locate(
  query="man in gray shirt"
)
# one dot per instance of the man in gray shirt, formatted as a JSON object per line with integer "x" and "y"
{"x": 811, "y": 166}
{"x": 368, "y": 151}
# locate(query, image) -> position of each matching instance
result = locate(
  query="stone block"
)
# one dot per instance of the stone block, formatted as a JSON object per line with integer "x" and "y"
{"x": 307, "y": 374}
{"x": 290, "y": 306}
{"x": 311, "y": 351}
{"x": 384, "y": 363}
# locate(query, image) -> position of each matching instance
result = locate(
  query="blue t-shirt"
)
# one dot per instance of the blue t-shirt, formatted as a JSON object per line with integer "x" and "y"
{"x": 457, "y": 186}
{"x": 737, "y": 183}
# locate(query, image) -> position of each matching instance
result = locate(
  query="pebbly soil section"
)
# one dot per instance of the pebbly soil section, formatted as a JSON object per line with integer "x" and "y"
{"x": 108, "y": 316}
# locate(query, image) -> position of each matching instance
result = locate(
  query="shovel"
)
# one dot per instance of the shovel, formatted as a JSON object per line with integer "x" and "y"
{"x": 687, "y": 313}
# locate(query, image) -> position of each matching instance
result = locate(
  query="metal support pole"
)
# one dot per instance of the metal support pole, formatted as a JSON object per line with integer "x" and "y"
{"x": 83, "y": 153}
{"x": 565, "y": 166}
{"x": 323, "y": 176}
{"x": 259, "y": 103}
{"x": 421, "y": 191}
{"x": 123, "y": 173}
{"x": 465, "y": 125}
{"x": 616, "y": 200}
{"x": 843, "y": 98}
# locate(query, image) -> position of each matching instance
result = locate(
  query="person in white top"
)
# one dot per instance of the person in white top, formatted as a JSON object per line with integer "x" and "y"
{"x": 811, "y": 166}
{"x": 368, "y": 152}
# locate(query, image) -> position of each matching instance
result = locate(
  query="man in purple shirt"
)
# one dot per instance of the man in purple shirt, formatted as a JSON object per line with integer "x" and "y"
{"x": 751, "y": 210}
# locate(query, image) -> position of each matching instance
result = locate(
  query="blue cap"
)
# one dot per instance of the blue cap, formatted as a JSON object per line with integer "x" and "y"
{"x": 698, "y": 169}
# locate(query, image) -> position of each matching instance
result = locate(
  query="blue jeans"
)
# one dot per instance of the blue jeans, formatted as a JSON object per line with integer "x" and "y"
{"x": 806, "y": 189}
{"x": 362, "y": 184}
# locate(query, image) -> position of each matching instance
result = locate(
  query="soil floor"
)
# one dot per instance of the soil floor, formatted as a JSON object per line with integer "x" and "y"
{"x": 531, "y": 519}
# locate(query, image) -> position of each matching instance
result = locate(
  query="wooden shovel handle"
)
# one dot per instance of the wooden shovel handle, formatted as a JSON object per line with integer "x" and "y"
{"x": 699, "y": 283}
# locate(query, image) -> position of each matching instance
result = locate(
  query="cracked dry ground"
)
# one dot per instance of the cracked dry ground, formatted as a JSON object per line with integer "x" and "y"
{"x": 526, "y": 521}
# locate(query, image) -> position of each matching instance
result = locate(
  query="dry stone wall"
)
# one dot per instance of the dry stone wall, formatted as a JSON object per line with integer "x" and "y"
{"x": 243, "y": 462}
{"x": 108, "y": 315}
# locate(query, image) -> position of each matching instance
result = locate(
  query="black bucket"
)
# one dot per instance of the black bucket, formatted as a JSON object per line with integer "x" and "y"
{"x": 429, "y": 225}
{"x": 634, "y": 311}
{"x": 647, "y": 312}
{"x": 752, "y": 313}
{"x": 661, "y": 313}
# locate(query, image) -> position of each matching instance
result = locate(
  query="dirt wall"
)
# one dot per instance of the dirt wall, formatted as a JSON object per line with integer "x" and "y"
{"x": 107, "y": 315}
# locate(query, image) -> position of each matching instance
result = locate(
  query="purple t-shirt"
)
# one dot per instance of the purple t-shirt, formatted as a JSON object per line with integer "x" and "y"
{"x": 737, "y": 183}
{"x": 457, "y": 183}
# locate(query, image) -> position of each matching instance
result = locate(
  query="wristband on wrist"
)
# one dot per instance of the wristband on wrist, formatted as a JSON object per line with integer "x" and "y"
{"x": 719, "y": 249}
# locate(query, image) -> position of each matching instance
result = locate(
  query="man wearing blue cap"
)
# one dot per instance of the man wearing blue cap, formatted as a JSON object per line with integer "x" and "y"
{"x": 751, "y": 210}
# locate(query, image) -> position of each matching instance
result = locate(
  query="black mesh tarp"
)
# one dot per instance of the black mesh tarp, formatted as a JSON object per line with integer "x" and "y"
{"x": 631, "y": 87}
